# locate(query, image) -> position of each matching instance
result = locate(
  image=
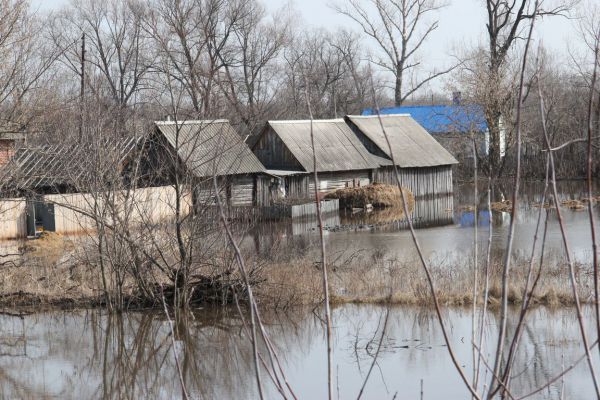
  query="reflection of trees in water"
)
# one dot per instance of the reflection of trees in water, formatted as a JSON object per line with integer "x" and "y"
{"x": 413, "y": 335}
{"x": 137, "y": 359}
{"x": 129, "y": 356}
{"x": 94, "y": 355}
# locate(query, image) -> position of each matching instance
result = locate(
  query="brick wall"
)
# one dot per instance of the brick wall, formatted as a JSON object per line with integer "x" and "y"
{"x": 7, "y": 151}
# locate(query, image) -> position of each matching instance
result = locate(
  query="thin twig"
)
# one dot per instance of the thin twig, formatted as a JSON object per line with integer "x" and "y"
{"x": 327, "y": 307}
{"x": 567, "y": 249}
{"x": 513, "y": 218}
{"x": 242, "y": 269}
{"x": 422, "y": 257}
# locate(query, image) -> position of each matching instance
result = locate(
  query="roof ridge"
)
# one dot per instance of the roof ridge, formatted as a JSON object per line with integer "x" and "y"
{"x": 303, "y": 121}
{"x": 380, "y": 115}
{"x": 193, "y": 121}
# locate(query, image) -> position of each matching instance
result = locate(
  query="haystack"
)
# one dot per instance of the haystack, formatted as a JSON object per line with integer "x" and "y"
{"x": 378, "y": 195}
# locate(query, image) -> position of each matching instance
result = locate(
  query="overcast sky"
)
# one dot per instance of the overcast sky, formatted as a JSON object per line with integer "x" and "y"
{"x": 461, "y": 25}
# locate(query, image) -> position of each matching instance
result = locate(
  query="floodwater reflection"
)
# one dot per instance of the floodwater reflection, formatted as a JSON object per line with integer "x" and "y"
{"x": 91, "y": 355}
{"x": 446, "y": 236}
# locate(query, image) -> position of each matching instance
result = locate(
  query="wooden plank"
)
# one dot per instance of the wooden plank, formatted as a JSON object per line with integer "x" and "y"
{"x": 13, "y": 219}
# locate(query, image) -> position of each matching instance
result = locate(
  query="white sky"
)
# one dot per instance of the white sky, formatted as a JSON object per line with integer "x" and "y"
{"x": 461, "y": 26}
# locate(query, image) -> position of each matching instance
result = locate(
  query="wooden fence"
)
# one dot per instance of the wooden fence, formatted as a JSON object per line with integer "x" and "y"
{"x": 76, "y": 213}
{"x": 13, "y": 219}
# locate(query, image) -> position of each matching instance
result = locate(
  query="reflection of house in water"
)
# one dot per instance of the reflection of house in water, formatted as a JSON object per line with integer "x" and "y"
{"x": 436, "y": 211}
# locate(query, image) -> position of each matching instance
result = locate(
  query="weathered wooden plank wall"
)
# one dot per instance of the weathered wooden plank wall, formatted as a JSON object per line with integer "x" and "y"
{"x": 273, "y": 153}
{"x": 303, "y": 186}
{"x": 422, "y": 182}
{"x": 13, "y": 219}
{"x": 242, "y": 191}
{"x": 263, "y": 190}
{"x": 235, "y": 191}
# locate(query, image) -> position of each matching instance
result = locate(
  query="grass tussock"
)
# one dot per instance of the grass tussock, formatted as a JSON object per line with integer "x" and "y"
{"x": 378, "y": 195}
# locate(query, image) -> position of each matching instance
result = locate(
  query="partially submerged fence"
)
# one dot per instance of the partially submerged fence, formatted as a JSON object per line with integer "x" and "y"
{"x": 277, "y": 211}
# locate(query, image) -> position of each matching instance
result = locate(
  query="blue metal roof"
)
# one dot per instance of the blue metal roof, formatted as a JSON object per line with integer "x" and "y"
{"x": 442, "y": 118}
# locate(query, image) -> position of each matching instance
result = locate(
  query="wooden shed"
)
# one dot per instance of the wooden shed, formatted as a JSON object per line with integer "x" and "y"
{"x": 424, "y": 166}
{"x": 59, "y": 188}
{"x": 341, "y": 159}
{"x": 213, "y": 149}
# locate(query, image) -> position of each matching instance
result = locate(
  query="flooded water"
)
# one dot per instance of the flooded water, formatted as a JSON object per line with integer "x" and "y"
{"x": 89, "y": 355}
{"x": 92, "y": 355}
{"x": 447, "y": 238}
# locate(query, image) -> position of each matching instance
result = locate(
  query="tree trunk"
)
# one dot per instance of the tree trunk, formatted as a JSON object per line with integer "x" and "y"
{"x": 495, "y": 156}
{"x": 398, "y": 88}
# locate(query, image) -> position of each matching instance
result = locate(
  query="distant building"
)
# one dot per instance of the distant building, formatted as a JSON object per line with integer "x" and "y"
{"x": 9, "y": 142}
{"x": 452, "y": 126}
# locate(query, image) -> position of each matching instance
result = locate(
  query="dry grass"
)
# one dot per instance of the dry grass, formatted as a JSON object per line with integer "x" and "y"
{"x": 46, "y": 275}
{"x": 503, "y": 206}
{"x": 51, "y": 272}
{"x": 378, "y": 195}
{"x": 373, "y": 280}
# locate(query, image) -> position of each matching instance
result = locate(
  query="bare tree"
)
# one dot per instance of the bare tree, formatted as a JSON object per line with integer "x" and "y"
{"x": 329, "y": 63}
{"x": 25, "y": 60}
{"x": 193, "y": 36}
{"x": 251, "y": 67}
{"x": 116, "y": 53}
{"x": 506, "y": 21}
{"x": 400, "y": 28}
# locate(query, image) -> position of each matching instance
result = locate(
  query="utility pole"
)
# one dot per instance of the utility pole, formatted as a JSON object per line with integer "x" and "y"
{"x": 82, "y": 89}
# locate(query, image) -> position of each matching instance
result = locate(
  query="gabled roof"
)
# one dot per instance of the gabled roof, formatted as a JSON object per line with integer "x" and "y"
{"x": 411, "y": 145}
{"x": 210, "y": 147}
{"x": 442, "y": 118}
{"x": 336, "y": 147}
{"x": 54, "y": 166}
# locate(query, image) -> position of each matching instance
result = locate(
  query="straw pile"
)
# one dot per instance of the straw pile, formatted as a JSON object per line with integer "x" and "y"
{"x": 378, "y": 195}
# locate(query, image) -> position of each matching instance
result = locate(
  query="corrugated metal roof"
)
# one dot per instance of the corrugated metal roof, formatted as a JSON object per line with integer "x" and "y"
{"x": 411, "y": 145}
{"x": 442, "y": 118}
{"x": 12, "y": 135}
{"x": 210, "y": 147}
{"x": 336, "y": 147}
{"x": 47, "y": 167}
{"x": 279, "y": 172}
